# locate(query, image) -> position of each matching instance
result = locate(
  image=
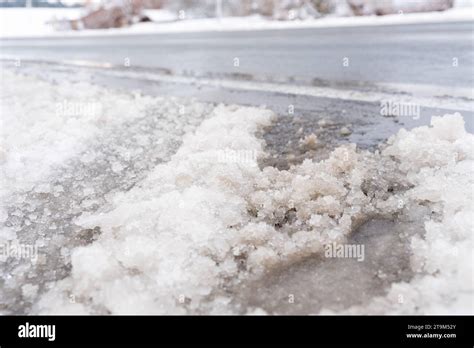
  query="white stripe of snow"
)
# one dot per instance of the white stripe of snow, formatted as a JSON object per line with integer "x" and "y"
{"x": 10, "y": 29}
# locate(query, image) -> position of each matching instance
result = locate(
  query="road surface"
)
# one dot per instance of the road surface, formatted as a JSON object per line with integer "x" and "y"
{"x": 433, "y": 63}
{"x": 421, "y": 54}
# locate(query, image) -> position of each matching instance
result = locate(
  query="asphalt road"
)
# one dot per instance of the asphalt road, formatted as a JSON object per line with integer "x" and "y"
{"x": 409, "y": 54}
{"x": 433, "y": 61}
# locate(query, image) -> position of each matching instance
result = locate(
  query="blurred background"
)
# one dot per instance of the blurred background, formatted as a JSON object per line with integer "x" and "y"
{"x": 63, "y": 15}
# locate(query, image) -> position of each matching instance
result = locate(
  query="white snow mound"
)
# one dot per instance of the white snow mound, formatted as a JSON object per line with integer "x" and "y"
{"x": 199, "y": 223}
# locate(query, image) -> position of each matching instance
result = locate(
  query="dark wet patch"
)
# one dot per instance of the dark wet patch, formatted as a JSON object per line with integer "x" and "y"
{"x": 318, "y": 283}
{"x": 285, "y": 144}
{"x": 87, "y": 236}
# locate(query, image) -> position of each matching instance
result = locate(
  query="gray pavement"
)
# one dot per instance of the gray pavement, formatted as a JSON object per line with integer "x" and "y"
{"x": 421, "y": 53}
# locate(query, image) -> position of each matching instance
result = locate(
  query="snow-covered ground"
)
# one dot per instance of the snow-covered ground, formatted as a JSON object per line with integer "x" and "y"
{"x": 159, "y": 205}
{"x": 19, "y": 22}
{"x": 33, "y": 22}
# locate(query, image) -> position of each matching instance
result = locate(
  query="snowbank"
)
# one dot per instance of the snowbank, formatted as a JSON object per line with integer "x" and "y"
{"x": 16, "y": 24}
{"x": 33, "y": 22}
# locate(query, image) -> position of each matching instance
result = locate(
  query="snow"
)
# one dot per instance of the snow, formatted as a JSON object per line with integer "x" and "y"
{"x": 64, "y": 120}
{"x": 35, "y": 22}
{"x": 193, "y": 226}
{"x": 58, "y": 164}
{"x": 438, "y": 161}
{"x": 310, "y": 142}
{"x": 160, "y": 15}
{"x": 18, "y": 23}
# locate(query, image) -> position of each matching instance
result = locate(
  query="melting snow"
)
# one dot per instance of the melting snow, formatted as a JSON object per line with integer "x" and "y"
{"x": 185, "y": 227}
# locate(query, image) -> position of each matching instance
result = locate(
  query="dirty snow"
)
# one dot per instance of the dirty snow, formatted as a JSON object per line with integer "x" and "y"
{"x": 178, "y": 233}
{"x": 43, "y": 125}
{"x": 62, "y": 158}
{"x": 438, "y": 162}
